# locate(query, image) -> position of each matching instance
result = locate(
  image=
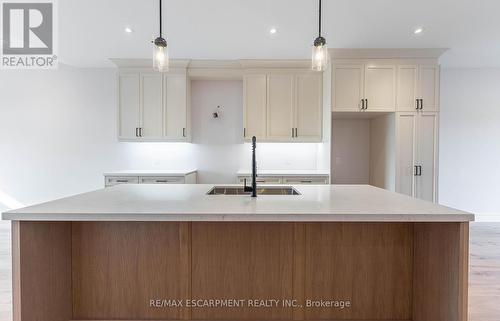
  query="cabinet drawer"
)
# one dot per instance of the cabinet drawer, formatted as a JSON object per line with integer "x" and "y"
{"x": 115, "y": 180}
{"x": 262, "y": 179}
{"x": 321, "y": 180}
{"x": 161, "y": 180}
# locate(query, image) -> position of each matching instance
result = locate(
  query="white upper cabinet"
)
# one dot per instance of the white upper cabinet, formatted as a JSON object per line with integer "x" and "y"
{"x": 385, "y": 87}
{"x": 151, "y": 102}
{"x": 418, "y": 88}
{"x": 152, "y": 106}
{"x": 308, "y": 107}
{"x": 129, "y": 100}
{"x": 175, "y": 107}
{"x": 363, "y": 87}
{"x": 280, "y": 102}
{"x": 348, "y": 87}
{"x": 380, "y": 88}
{"x": 284, "y": 106}
{"x": 407, "y": 82}
{"x": 429, "y": 87}
{"x": 255, "y": 102}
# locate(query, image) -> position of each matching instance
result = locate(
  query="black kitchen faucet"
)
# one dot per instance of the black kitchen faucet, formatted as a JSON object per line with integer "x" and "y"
{"x": 252, "y": 189}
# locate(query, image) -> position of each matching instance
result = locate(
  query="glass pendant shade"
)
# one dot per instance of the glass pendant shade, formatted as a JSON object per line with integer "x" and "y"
{"x": 160, "y": 57}
{"x": 320, "y": 57}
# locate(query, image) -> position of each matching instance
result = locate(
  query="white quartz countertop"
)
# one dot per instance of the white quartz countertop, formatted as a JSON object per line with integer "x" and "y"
{"x": 284, "y": 173}
{"x": 317, "y": 203}
{"x": 151, "y": 172}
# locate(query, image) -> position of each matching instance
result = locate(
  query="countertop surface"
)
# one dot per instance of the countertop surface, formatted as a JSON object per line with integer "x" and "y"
{"x": 151, "y": 172}
{"x": 284, "y": 173}
{"x": 185, "y": 202}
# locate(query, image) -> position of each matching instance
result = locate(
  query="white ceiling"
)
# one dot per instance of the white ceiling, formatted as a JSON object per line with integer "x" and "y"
{"x": 91, "y": 31}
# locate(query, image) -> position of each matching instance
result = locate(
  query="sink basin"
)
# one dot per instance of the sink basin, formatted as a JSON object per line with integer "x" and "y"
{"x": 268, "y": 190}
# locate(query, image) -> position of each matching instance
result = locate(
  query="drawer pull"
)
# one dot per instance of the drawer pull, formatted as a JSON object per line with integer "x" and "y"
{"x": 162, "y": 181}
{"x": 122, "y": 181}
{"x": 306, "y": 181}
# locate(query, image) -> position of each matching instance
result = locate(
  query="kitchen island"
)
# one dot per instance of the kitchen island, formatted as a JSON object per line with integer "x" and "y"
{"x": 165, "y": 252}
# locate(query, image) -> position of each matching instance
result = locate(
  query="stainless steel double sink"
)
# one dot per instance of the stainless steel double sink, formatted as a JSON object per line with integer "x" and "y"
{"x": 264, "y": 190}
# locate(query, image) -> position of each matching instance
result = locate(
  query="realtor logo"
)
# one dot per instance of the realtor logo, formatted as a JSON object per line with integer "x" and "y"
{"x": 28, "y": 35}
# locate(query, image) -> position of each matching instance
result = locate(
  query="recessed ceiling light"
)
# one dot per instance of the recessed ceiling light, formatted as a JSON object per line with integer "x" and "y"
{"x": 273, "y": 30}
{"x": 128, "y": 30}
{"x": 418, "y": 30}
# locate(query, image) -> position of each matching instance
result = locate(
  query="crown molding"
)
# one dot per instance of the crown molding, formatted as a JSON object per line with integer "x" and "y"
{"x": 147, "y": 63}
{"x": 275, "y": 63}
{"x": 386, "y": 53}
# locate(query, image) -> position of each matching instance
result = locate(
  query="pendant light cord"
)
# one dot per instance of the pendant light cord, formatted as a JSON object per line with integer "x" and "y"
{"x": 319, "y": 24}
{"x": 160, "y": 19}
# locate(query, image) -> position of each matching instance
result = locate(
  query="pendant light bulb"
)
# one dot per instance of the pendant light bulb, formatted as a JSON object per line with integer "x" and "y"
{"x": 320, "y": 58}
{"x": 160, "y": 55}
{"x": 160, "y": 51}
{"x": 319, "y": 55}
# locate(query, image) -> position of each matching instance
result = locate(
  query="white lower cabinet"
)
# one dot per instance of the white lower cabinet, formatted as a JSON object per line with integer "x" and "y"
{"x": 417, "y": 146}
{"x": 303, "y": 180}
{"x": 116, "y": 180}
{"x": 113, "y": 179}
{"x": 288, "y": 180}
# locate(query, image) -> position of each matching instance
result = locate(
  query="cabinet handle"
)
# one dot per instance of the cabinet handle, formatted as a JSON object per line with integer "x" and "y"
{"x": 161, "y": 181}
{"x": 183, "y": 132}
{"x": 415, "y": 170}
{"x": 421, "y": 104}
{"x": 418, "y": 170}
{"x": 296, "y": 132}
{"x": 140, "y": 131}
{"x": 244, "y": 132}
{"x": 122, "y": 181}
{"x": 307, "y": 181}
{"x": 362, "y": 104}
{"x": 366, "y": 104}
{"x": 293, "y": 133}
{"x": 417, "y": 104}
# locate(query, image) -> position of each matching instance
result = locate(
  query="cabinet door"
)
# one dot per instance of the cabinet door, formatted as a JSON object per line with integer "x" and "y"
{"x": 427, "y": 140}
{"x": 309, "y": 107}
{"x": 129, "y": 105}
{"x": 305, "y": 180}
{"x": 280, "y": 92}
{"x": 161, "y": 180}
{"x": 406, "y": 131}
{"x": 429, "y": 87}
{"x": 175, "y": 89}
{"x": 380, "y": 87}
{"x": 151, "y": 103}
{"x": 407, "y": 80}
{"x": 254, "y": 102}
{"x": 347, "y": 90}
{"x": 261, "y": 180}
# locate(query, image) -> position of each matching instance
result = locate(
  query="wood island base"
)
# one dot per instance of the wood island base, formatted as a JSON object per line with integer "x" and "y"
{"x": 66, "y": 271}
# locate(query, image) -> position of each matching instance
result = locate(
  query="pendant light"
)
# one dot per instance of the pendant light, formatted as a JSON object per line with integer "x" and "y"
{"x": 160, "y": 51}
{"x": 319, "y": 50}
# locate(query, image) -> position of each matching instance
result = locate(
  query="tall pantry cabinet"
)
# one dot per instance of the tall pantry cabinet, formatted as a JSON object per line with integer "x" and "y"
{"x": 386, "y": 102}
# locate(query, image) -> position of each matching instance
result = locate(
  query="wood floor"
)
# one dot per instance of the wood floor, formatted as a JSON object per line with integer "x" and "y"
{"x": 484, "y": 292}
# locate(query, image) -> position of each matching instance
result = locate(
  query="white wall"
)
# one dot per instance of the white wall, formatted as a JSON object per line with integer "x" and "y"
{"x": 58, "y": 135}
{"x": 469, "y": 157}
